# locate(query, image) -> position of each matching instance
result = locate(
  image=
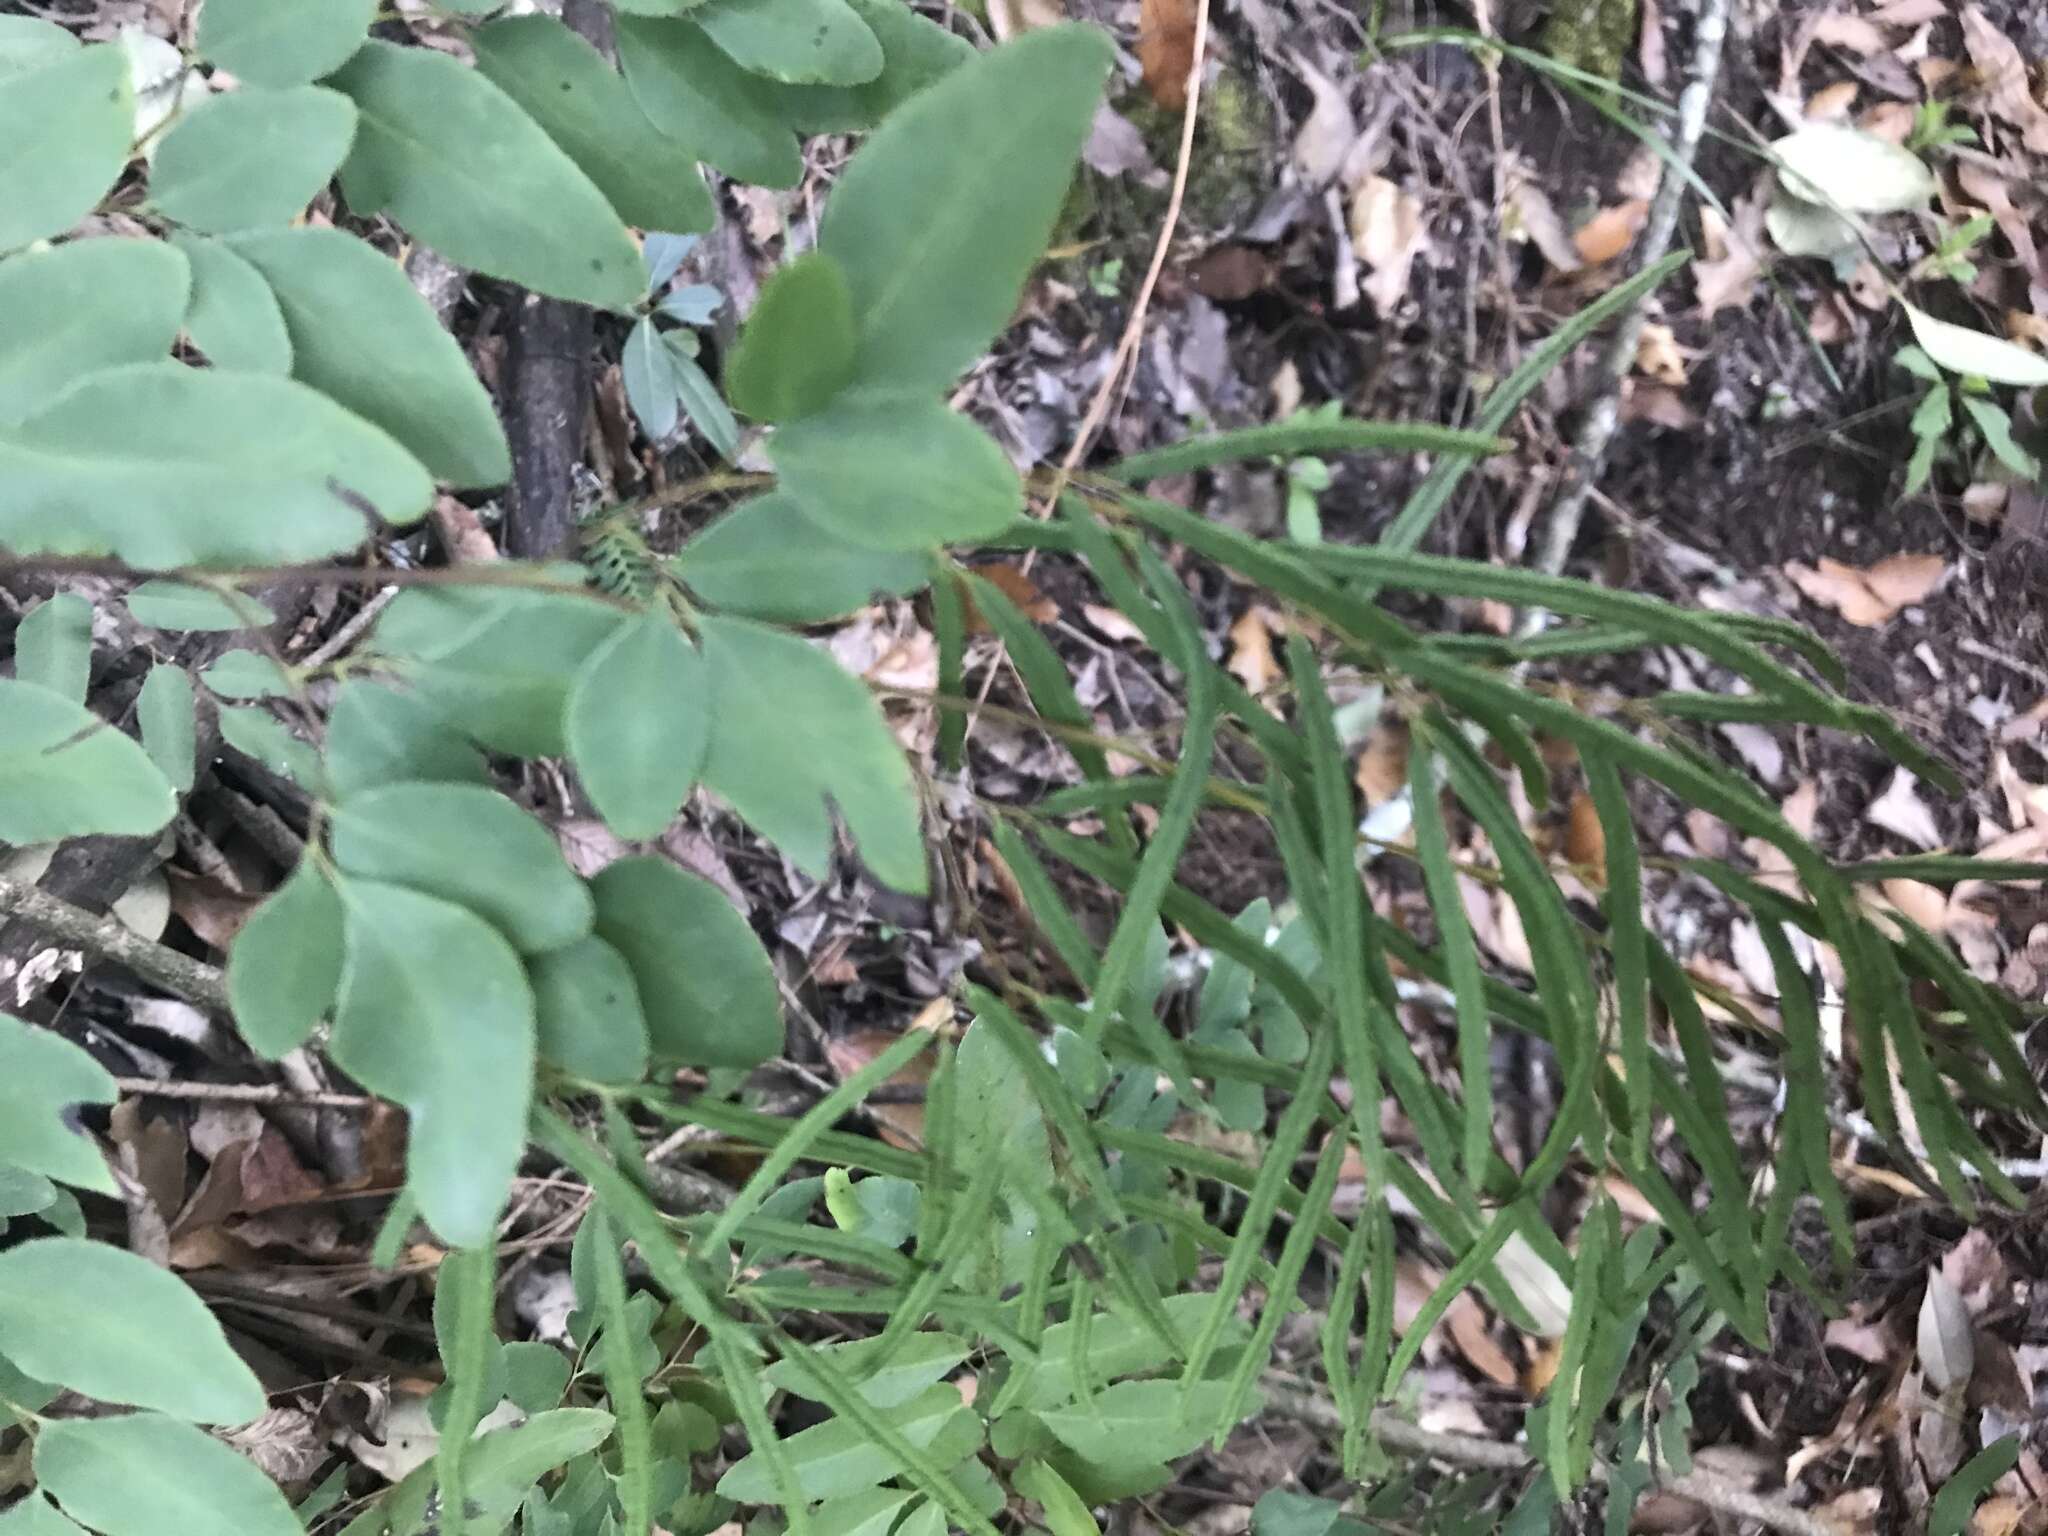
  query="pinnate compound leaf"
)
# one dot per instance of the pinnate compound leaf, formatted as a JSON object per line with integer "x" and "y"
{"x": 112, "y": 1325}
{"x": 266, "y": 738}
{"x": 934, "y": 243}
{"x": 454, "y": 159}
{"x": 232, "y": 315}
{"x": 164, "y": 711}
{"x": 64, "y": 772}
{"x": 362, "y": 335}
{"x": 1975, "y": 354}
{"x": 705, "y": 985}
{"x": 43, "y": 1077}
{"x": 35, "y": 1515}
{"x": 377, "y": 735}
{"x": 796, "y": 351}
{"x": 797, "y": 733}
{"x": 78, "y": 308}
{"x": 435, "y": 1014}
{"x": 650, "y": 380}
{"x": 53, "y": 646}
{"x": 165, "y": 604}
{"x": 251, "y": 157}
{"x": 916, "y": 52}
{"x": 147, "y": 1474}
{"x": 566, "y": 86}
{"x": 587, "y": 1008}
{"x": 639, "y": 719}
{"x": 699, "y": 397}
{"x": 800, "y": 42}
{"x": 284, "y": 968}
{"x": 766, "y": 560}
{"x": 165, "y": 466}
{"x": 283, "y": 42}
{"x": 245, "y": 674}
{"x": 468, "y": 844}
{"x": 67, "y": 126}
{"x": 897, "y": 472}
{"x": 697, "y": 96}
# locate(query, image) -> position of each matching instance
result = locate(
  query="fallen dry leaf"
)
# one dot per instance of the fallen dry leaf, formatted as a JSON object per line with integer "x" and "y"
{"x": 1925, "y": 904}
{"x": 1532, "y": 216}
{"x": 1251, "y": 652}
{"x": 1658, "y": 404}
{"x": 1465, "y": 1321}
{"x": 1657, "y": 355}
{"x": 1727, "y": 278}
{"x": 1110, "y": 623}
{"x": 1868, "y": 596}
{"x": 1166, "y": 49}
{"x": 1329, "y": 130}
{"x": 1382, "y": 771}
{"x": 1388, "y": 234}
{"x": 2004, "y": 71}
{"x": 1020, "y": 589}
{"x": 1891, "y": 121}
{"x": 1585, "y": 840}
{"x": 1009, "y": 18}
{"x": 1831, "y": 103}
{"x": 1901, "y": 811}
{"x": 1610, "y": 231}
{"x": 1909, "y": 13}
{"x": 1857, "y": 34}
{"x": 900, "y": 1124}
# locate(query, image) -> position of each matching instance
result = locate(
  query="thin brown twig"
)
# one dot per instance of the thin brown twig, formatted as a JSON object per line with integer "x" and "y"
{"x": 107, "y": 938}
{"x": 242, "y": 1093}
{"x": 1285, "y": 1395}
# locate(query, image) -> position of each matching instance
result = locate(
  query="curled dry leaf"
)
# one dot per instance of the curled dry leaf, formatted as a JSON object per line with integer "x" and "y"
{"x": 1901, "y": 811}
{"x": 1110, "y": 623}
{"x": 1251, "y": 651}
{"x": 1727, "y": 278}
{"x": 1531, "y": 217}
{"x": 1388, "y": 234}
{"x": 1658, "y": 356}
{"x": 2004, "y": 73}
{"x": 1329, "y": 131}
{"x": 1868, "y": 595}
{"x": 1382, "y": 772}
{"x": 1610, "y": 231}
{"x": 1855, "y": 34}
{"x": 1831, "y": 103}
{"x": 1585, "y": 841}
{"x": 1009, "y": 578}
{"x": 1166, "y": 49}
{"x": 1891, "y": 121}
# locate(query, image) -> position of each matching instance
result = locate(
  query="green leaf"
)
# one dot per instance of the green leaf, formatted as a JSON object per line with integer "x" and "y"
{"x": 435, "y": 1014}
{"x": 377, "y": 735}
{"x": 503, "y": 1464}
{"x": 112, "y": 1325}
{"x": 618, "y": 1352}
{"x": 706, "y": 986}
{"x": 454, "y": 159}
{"x": 566, "y": 86}
{"x": 1976, "y": 355}
{"x": 1132, "y": 1421}
{"x": 165, "y": 712}
{"x": 264, "y": 737}
{"x": 164, "y": 466}
{"x": 765, "y": 560}
{"x": 362, "y": 335}
{"x": 284, "y": 968}
{"x": 916, "y": 52}
{"x": 173, "y": 1479}
{"x": 796, "y": 351}
{"x": 921, "y": 1360}
{"x": 34, "y": 1515}
{"x": 283, "y": 42}
{"x": 795, "y": 731}
{"x": 496, "y": 663}
{"x": 869, "y": 1513}
{"x": 29, "y": 42}
{"x": 78, "y": 308}
{"x": 1117, "y": 1346}
{"x": 1285, "y": 439}
{"x": 836, "y": 1458}
{"x": 897, "y": 472}
{"x": 163, "y": 604}
{"x": 67, "y": 126}
{"x": 64, "y": 772}
{"x": 536, "y": 1376}
{"x": 232, "y": 315}
{"x": 699, "y": 397}
{"x": 251, "y": 157}
{"x": 43, "y": 1079}
{"x": 246, "y": 674}
{"x": 647, "y": 368}
{"x": 1996, "y": 428}
{"x": 934, "y": 245}
{"x": 471, "y": 845}
{"x": 800, "y": 42}
{"x": 587, "y": 1010}
{"x": 638, "y": 723}
{"x": 1949, "y": 1514}
{"x": 53, "y": 646}
{"x": 1065, "y": 1514}
{"x": 697, "y": 96}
